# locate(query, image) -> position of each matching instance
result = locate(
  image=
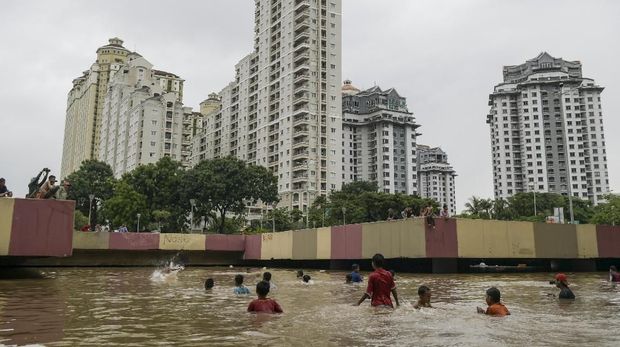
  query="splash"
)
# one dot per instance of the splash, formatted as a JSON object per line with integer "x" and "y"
{"x": 167, "y": 273}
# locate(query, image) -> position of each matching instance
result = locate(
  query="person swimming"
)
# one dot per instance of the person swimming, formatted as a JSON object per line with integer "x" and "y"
{"x": 263, "y": 304}
{"x": 348, "y": 278}
{"x": 496, "y": 308}
{"x": 614, "y": 275}
{"x": 561, "y": 281}
{"x": 306, "y": 279}
{"x": 240, "y": 289}
{"x": 424, "y": 300}
{"x": 209, "y": 284}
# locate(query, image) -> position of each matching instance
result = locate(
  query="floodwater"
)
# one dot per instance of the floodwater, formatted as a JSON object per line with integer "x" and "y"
{"x": 132, "y": 307}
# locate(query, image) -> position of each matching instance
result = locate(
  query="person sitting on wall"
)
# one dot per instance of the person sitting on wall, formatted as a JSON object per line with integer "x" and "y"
{"x": 47, "y": 189}
{"x": 4, "y": 191}
{"x": 35, "y": 185}
{"x": 63, "y": 190}
{"x": 444, "y": 212}
{"x": 561, "y": 281}
{"x": 428, "y": 214}
{"x": 614, "y": 275}
{"x": 496, "y": 308}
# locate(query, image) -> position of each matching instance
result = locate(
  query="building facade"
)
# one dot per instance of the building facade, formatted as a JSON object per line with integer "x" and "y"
{"x": 283, "y": 110}
{"x": 546, "y": 126}
{"x": 436, "y": 177}
{"x": 144, "y": 119}
{"x": 85, "y": 106}
{"x": 379, "y": 139}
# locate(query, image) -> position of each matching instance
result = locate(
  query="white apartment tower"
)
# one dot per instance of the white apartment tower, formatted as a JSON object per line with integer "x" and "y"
{"x": 436, "y": 177}
{"x": 85, "y": 106}
{"x": 379, "y": 139}
{"x": 283, "y": 110}
{"x": 143, "y": 118}
{"x": 546, "y": 124}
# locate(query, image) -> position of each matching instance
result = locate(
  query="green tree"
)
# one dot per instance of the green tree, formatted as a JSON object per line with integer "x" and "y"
{"x": 79, "y": 220}
{"x": 227, "y": 185}
{"x": 160, "y": 184}
{"x": 93, "y": 177}
{"x": 124, "y": 206}
{"x": 160, "y": 217}
{"x": 607, "y": 213}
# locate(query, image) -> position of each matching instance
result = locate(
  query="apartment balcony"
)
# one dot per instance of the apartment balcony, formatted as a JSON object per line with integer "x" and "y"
{"x": 301, "y": 5}
{"x": 274, "y": 131}
{"x": 300, "y": 131}
{"x": 301, "y": 47}
{"x": 300, "y": 154}
{"x": 302, "y": 36}
{"x": 301, "y": 15}
{"x": 301, "y": 144}
{"x": 300, "y": 178}
{"x": 302, "y": 110}
{"x": 301, "y": 119}
{"x": 300, "y": 99}
{"x": 301, "y": 87}
{"x": 300, "y": 77}
{"x": 301, "y": 68}
{"x": 302, "y": 25}
{"x": 301, "y": 57}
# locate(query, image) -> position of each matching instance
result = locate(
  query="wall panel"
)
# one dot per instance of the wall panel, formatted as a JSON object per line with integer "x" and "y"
{"x": 91, "y": 240}
{"x": 587, "y": 246}
{"x": 608, "y": 239}
{"x": 277, "y": 245}
{"x": 555, "y": 240}
{"x": 187, "y": 242}
{"x": 304, "y": 244}
{"x": 324, "y": 243}
{"x": 6, "y": 222}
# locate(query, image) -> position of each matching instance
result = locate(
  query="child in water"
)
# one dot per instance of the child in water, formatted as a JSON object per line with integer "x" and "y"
{"x": 356, "y": 277}
{"x": 380, "y": 284}
{"x": 424, "y": 293}
{"x": 263, "y": 304}
{"x": 348, "y": 279}
{"x": 496, "y": 308}
{"x": 267, "y": 278}
{"x": 614, "y": 275}
{"x": 240, "y": 289}
{"x": 561, "y": 281}
{"x": 209, "y": 283}
{"x": 306, "y": 279}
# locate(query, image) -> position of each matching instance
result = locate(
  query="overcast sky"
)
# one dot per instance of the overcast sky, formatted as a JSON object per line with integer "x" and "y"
{"x": 444, "y": 56}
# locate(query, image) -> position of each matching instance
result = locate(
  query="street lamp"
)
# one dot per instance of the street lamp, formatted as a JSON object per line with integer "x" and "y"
{"x": 192, "y": 203}
{"x": 344, "y": 212}
{"x": 90, "y": 211}
{"x": 138, "y": 228}
{"x": 273, "y": 217}
{"x": 533, "y": 189}
{"x": 570, "y": 203}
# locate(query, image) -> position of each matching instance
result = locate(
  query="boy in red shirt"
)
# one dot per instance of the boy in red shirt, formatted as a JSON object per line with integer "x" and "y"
{"x": 262, "y": 304}
{"x": 380, "y": 284}
{"x": 496, "y": 308}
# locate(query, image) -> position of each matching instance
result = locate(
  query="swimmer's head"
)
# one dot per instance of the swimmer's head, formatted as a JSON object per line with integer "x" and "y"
{"x": 493, "y": 296}
{"x": 424, "y": 293}
{"x": 209, "y": 283}
{"x": 300, "y": 273}
{"x": 262, "y": 289}
{"x": 238, "y": 280}
{"x": 306, "y": 278}
{"x": 267, "y": 276}
{"x": 355, "y": 267}
{"x": 348, "y": 278}
{"x": 378, "y": 260}
{"x": 613, "y": 268}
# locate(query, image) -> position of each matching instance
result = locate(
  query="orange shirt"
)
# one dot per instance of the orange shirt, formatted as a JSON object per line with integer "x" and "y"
{"x": 497, "y": 309}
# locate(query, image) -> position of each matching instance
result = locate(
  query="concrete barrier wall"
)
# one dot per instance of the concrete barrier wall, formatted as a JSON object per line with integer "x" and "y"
{"x": 34, "y": 228}
{"x": 495, "y": 239}
{"x": 586, "y": 241}
{"x": 555, "y": 240}
{"x": 6, "y": 224}
{"x": 608, "y": 241}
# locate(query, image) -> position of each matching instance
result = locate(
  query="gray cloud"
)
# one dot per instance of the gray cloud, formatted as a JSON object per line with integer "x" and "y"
{"x": 444, "y": 56}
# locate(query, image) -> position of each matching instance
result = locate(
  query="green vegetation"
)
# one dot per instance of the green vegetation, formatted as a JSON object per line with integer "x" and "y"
{"x": 520, "y": 207}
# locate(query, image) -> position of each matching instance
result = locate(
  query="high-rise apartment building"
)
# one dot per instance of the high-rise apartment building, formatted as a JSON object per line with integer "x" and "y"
{"x": 143, "y": 118}
{"x": 546, "y": 124}
{"x": 283, "y": 110}
{"x": 85, "y": 105}
{"x": 379, "y": 139}
{"x": 436, "y": 177}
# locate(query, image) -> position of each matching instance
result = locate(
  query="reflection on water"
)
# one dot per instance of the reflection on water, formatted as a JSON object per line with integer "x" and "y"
{"x": 95, "y": 306}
